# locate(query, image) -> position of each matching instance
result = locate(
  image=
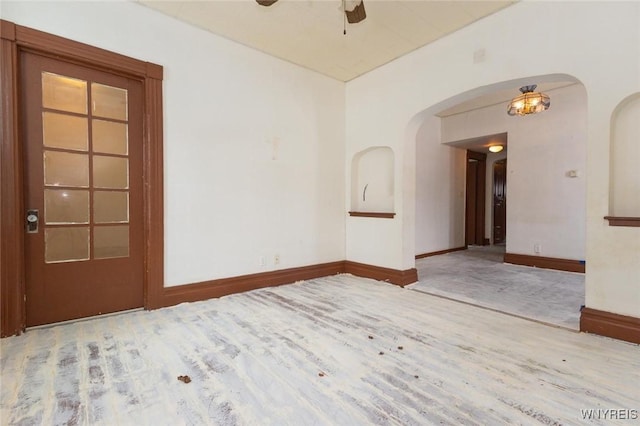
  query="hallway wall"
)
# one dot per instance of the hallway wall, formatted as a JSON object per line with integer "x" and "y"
{"x": 544, "y": 205}
{"x": 440, "y": 188}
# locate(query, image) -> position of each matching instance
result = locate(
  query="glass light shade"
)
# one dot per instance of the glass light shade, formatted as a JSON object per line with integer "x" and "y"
{"x": 529, "y": 102}
{"x": 496, "y": 148}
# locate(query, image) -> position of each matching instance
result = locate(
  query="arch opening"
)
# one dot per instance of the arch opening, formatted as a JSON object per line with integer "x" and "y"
{"x": 546, "y": 213}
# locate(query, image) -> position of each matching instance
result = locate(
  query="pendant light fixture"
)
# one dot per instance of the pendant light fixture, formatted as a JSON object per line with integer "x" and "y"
{"x": 529, "y": 102}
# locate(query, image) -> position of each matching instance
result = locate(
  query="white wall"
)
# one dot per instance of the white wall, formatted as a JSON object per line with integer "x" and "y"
{"x": 544, "y": 205}
{"x": 440, "y": 188}
{"x": 254, "y": 146}
{"x": 598, "y": 43}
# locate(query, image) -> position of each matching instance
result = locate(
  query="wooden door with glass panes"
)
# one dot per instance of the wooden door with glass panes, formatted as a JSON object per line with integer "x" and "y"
{"x": 82, "y": 148}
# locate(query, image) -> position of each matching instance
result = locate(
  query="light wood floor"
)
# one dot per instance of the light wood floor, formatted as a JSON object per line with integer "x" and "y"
{"x": 338, "y": 350}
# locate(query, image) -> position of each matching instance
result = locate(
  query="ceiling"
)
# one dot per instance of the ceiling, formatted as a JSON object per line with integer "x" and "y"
{"x": 309, "y": 33}
{"x": 481, "y": 143}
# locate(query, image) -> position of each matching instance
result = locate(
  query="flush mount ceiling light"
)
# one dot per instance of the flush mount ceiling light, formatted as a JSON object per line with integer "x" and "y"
{"x": 529, "y": 102}
{"x": 496, "y": 148}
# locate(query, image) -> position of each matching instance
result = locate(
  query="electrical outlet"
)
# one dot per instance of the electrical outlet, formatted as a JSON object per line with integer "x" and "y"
{"x": 262, "y": 261}
{"x": 276, "y": 259}
{"x": 537, "y": 248}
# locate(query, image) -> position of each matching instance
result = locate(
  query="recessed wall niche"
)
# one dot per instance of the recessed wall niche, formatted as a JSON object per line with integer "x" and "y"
{"x": 372, "y": 182}
{"x": 624, "y": 174}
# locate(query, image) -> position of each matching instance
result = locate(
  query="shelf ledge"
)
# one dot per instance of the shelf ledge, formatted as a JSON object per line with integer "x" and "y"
{"x": 373, "y": 214}
{"x": 623, "y": 221}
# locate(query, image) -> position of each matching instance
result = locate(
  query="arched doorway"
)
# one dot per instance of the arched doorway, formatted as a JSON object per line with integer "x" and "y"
{"x": 547, "y": 196}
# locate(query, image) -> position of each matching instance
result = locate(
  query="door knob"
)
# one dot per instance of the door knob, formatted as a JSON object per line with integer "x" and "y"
{"x": 32, "y": 221}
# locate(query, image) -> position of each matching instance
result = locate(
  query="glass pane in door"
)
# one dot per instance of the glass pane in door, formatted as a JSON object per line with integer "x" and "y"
{"x": 64, "y": 93}
{"x": 110, "y": 241}
{"x": 110, "y": 137}
{"x": 66, "y": 244}
{"x": 110, "y": 172}
{"x": 110, "y": 206}
{"x": 65, "y": 131}
{"x": 66, "y": 169}
{"x": 109, "y": 102}
{"x": 66, "y": 206}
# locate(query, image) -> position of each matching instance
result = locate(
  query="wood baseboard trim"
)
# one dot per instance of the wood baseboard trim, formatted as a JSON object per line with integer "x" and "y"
{"x": 608, "y": 324}
{"x": 439, "y": 252}
{"x": 393, "y": 276}
{"x": 568, "y": 265}
{"x": 225, "y": 286}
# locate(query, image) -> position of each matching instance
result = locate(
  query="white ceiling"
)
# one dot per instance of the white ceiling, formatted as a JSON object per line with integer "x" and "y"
{"x": 310, "y": 32}
{"x": 481, "y": 143}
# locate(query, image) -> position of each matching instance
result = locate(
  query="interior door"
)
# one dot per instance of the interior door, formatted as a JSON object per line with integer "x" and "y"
{"x": 499, "y": 201}
{"x": 82, "y": 147}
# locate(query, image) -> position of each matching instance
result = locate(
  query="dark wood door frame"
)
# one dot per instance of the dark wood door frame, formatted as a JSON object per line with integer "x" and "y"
{"x": 13, "y": 40}
{"x": 475, "y": 198}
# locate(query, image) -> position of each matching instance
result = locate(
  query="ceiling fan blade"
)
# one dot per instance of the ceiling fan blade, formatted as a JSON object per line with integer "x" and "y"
{"x": 356, "y": 15}
{"x": 266, "y": 2}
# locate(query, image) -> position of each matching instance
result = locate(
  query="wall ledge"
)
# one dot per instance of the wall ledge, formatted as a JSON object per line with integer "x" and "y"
{"x": 608, "y": 324}
{"x": 382, "y": 215}
{"x": 633, "y": 222}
